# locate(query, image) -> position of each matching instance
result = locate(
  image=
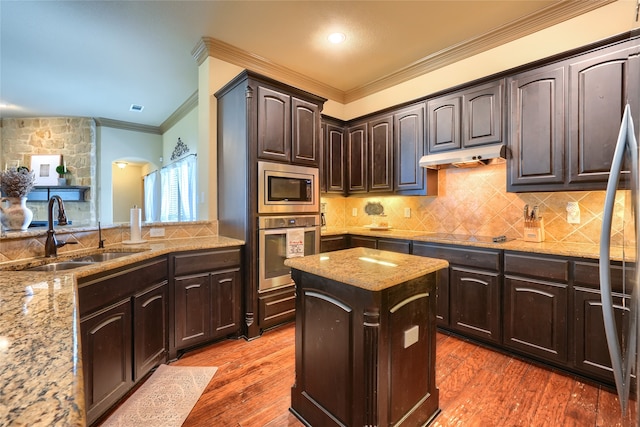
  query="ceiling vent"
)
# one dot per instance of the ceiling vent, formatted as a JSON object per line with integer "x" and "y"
{"x": 135, "y": 107}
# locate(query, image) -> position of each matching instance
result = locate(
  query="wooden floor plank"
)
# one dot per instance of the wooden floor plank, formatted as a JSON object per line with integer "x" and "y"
{"x": 478, "y": 387}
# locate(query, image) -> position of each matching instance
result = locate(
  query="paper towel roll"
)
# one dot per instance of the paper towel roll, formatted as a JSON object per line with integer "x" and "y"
{"x": 136, "y": 224}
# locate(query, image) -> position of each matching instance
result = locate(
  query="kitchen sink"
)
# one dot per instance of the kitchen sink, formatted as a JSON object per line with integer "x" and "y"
{"x": 59, "y": 266}
{"x": 104, "y": 256}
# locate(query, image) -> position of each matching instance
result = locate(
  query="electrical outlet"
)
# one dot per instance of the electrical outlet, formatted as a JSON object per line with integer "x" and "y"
{"x": 411, "y": 336}
{"x": 156, "y": 232}
{"x": 573, "y": 213}
{"x": 354, "y": 212}
{"x": 407, "y": 212}
{"x": 323, "y": 208}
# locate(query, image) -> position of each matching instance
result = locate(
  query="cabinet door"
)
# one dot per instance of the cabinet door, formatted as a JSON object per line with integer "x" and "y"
{"x": 274, "y": 125}
{"x": 408, "y": 129}
{"x": 536, "y": 128}
{"x": 150, "y": 329}
{"x": 357, "y": 158}
{"x": 192, "y": 310}
{"x": 106, "y": 357}
{"x": 535, "y": 318}
{"x": 475, "y": 303}
{"x": 305, "y": 138}
{"x": 443, "y": 115}
{"x": 482, "y": 110}
{"x": 225, "y": 303}
{"x": 591, "y": 351}
{"x": 600, "y": 85}
{"x": 381, "y": 154}
{"x": 334, "y": 158}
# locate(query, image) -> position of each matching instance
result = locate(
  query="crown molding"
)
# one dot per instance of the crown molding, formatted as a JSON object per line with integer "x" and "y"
{"x": 525, "y": 26}
{"x": 186, "y": 107}
{"x": 552, "y": 15}
{"x": 118, "y": 124}
{"x": 208, "y": 46}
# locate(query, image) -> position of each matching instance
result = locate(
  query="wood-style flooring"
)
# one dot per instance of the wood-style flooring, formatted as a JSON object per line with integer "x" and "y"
{"x": 478, "y": 387}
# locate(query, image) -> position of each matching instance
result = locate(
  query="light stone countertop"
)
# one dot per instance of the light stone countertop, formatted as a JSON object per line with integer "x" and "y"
{"x": 578, "y": 250}
{"x": 369, "y": 269}
{"x": 41, "y": 381}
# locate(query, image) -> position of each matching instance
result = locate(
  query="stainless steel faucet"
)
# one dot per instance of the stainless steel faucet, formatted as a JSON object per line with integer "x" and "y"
{"x": 51, "y": 245}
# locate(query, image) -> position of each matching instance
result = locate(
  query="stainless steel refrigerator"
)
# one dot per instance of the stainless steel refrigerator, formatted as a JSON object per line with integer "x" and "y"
{"x": 621, "y": 210}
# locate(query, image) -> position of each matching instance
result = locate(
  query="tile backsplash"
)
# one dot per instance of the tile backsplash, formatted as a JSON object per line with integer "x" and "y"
{"x": 475, "y": 202}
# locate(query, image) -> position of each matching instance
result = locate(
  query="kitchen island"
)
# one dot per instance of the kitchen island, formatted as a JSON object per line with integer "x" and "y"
{"x": 365, "y": 338}
{"x": 40, "y": 351}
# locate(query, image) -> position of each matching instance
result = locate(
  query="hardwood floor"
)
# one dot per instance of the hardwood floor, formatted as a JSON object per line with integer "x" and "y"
{"x": 478, "y": 387}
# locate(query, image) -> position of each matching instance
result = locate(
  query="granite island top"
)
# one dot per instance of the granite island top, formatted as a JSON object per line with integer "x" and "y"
{"x": 41, "y": 381}
{"x": 369, "y": 269}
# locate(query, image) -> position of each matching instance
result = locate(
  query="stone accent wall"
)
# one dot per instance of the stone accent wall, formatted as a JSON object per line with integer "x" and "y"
{"x": 475, "y": 202}
{"x": 73, "y": 138}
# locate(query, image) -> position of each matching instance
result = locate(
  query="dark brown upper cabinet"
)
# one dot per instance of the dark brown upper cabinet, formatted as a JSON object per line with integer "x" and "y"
{"x": 565, "y": 118}
{"x": 483, "y": 114}
{"x": 409, "y": 138}
{"x": 334, "y": 155}
{"x": 601, "y": 84}
{"x": 536, "y": 127}
{"x": 444, "y": 123}
{"x": 466, "y": 118}
{"x": 357, "y": 158}
{"x": 380, "y": 147}
{"x": 288, "y": 128}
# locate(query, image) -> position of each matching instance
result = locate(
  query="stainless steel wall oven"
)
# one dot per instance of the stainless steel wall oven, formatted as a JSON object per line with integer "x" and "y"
{"x": 272, "y": 246}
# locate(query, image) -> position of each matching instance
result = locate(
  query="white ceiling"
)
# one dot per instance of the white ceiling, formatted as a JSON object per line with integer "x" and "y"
{"x": 96, "y": 58}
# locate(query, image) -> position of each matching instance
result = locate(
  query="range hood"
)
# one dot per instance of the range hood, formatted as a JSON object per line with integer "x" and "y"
{"x": 467, "y": 157}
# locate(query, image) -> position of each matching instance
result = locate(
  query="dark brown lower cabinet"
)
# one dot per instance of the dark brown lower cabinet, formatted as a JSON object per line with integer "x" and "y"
{"x": 207, "y": 307}
{"x": 468, "y": 292}
{"x": 590, "y": 343}
{"x": 536, "y": 305}
{"x": 535, "y": 318}
{"x": 474, "y": 296}
{"x": 150, "y": 344}
{"x": 363, "y": 242}
{"x": 123, "y": 329}
{"x": 206, "y": 296}
{"x": 106, "y": 357}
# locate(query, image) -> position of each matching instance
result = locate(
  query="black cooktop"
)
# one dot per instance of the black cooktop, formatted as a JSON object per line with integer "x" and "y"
{"x": 468, "y": 238}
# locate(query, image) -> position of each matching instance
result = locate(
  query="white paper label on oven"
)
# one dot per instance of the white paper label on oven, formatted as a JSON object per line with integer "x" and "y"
{"x": 295, "y": 242}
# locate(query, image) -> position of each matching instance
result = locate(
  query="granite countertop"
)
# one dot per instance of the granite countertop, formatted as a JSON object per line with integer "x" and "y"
{"x": 369, "y": 269}
{"x": 579, "y": 250}
{"x": 41, "y": 380}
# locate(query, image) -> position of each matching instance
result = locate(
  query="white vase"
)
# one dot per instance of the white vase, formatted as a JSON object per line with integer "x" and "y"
{"x": 16, "y": 216}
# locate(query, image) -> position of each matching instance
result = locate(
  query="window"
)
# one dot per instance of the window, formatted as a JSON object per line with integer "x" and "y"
{"x": 174, "y": 192}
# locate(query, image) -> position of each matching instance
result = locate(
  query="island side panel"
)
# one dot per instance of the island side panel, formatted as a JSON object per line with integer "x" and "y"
{"x": 364, "y": 357}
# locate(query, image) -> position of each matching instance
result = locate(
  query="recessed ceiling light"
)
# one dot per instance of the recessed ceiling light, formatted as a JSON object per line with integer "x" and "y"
{"x": 136, "y": 107}
{"x": 337, "y": 38}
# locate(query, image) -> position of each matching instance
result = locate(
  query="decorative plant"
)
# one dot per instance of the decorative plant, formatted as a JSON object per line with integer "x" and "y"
{"x": 17, "y": 182}
{"x": 62, "y": 170}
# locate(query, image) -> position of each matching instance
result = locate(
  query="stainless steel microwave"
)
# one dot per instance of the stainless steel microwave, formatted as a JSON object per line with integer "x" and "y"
{"x": 287, "y": 188}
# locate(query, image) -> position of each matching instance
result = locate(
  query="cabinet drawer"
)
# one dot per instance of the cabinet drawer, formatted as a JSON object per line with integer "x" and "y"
{"x": 467, "y": 256}
{"x": 196, "y": 262}
{"x": 277, "y": 307}
{"x": 333, "y": 243}
{"x": 393, "y": 245}
{"x": 541, "y": 267}
{"x": 587, "y": 274}
{"x": 103, "y": 289}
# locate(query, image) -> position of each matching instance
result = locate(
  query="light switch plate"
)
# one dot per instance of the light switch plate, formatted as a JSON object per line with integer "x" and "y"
{"x": 407, "y": 212}
{"x": 156, "y": 232}
{"x": 354, "y": 212}
{"x": 411, "y": 336}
